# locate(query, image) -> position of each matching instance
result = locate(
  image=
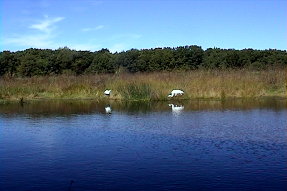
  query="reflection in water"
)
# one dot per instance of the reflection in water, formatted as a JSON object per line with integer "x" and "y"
{"x": 108, "y": 109}
{"x": 68, "y": 107}
{"x": 176, "y": 109}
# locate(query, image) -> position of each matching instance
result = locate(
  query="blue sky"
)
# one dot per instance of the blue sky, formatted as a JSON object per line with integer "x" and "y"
{"x": 122, "y": 25}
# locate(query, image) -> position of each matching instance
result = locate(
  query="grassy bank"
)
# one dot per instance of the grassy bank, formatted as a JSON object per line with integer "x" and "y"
{"x": 149, "y": 86}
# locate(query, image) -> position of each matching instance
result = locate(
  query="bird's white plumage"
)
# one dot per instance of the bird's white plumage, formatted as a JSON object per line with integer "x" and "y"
{"x": 107, "y": 92}
{"x": 175, "y": 93}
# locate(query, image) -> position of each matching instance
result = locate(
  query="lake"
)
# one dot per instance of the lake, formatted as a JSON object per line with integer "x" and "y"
{"x": 55, "y": 145}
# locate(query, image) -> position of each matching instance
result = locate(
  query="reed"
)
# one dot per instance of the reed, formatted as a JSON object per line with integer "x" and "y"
{"x": 149, "y": 86}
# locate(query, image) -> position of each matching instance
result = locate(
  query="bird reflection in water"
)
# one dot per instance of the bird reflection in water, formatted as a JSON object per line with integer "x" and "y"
{"x": 176, "y": 109}
{"x": 108, "y": 109}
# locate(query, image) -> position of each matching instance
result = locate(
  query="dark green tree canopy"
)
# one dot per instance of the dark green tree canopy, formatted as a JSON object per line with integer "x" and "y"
{"x": 33, "y": 62}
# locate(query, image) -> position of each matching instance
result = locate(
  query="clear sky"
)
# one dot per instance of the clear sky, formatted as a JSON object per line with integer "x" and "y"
{"x": 122, "y": 25}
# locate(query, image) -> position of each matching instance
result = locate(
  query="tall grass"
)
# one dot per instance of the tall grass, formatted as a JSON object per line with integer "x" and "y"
{"x": 136, "y": 91}
{"x": 149, "y": 86}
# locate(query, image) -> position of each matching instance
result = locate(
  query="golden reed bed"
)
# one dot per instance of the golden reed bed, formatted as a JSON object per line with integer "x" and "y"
{"x": 149, "y": 86}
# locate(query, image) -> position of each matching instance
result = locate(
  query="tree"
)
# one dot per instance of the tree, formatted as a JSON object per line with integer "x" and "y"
{"x": 8, "y": 63}
{"x": 188, "y": 57}
{"x": 82, "y": 60}
{"x": 103, "y": 62}
{"x": 32, "y": 61}
{"x": 64, "y": 59}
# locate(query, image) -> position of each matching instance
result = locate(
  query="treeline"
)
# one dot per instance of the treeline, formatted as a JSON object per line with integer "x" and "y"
{"x": 35, "y": 62}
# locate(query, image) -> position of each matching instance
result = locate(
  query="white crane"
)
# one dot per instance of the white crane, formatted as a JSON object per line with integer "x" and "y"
{"x": 175, "y": 93}
{"x": 107, "y": 92}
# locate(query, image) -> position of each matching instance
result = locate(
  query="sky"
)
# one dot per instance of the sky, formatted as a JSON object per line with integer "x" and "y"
{"x": 121, "y": 25}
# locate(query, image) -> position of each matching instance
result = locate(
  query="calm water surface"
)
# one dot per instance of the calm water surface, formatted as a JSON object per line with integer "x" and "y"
{"x": 195, "y": 145}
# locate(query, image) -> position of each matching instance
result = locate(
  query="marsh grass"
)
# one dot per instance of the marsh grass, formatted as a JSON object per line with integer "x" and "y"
{"x": 136, "y": 91}
{"x": 149, "y": 86}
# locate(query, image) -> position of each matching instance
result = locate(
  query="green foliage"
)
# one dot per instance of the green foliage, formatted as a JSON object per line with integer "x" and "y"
{"x": 82, "y": 60}
{"x": 32, "y": 63}
{"x": 64, "y": 58}
{"x": 39, "y": 62}
{"x": 103, "y": 62}
{"x": 188, "y": 57}
{"x": 8, "y": 63}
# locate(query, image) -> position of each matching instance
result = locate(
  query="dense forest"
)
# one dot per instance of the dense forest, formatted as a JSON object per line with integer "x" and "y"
{"x": 37, "y": 62}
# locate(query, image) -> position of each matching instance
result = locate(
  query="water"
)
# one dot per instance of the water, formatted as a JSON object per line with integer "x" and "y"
{"x": 195, "y": 145}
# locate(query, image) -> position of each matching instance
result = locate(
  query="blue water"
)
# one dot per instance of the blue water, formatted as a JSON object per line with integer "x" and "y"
{"x": 209, "y": 148}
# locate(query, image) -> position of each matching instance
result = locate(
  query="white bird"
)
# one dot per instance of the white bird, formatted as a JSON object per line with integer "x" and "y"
{"x": 175, "y": 93}
{"x": 108, "y": 109}
{"x": 107, "y": 92}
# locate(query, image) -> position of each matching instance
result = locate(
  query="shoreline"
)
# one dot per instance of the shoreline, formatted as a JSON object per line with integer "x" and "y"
{"x": 7, "y": 101}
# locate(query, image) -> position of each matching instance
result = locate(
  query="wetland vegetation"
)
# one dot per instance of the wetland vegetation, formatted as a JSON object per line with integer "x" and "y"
{"x": 149, "y": 86}
{"x": 148, "y": 74}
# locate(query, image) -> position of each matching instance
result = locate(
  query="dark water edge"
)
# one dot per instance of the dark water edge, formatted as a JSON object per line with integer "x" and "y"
{"x": 70, "y": 106}
{"x": 237, "y": 144}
